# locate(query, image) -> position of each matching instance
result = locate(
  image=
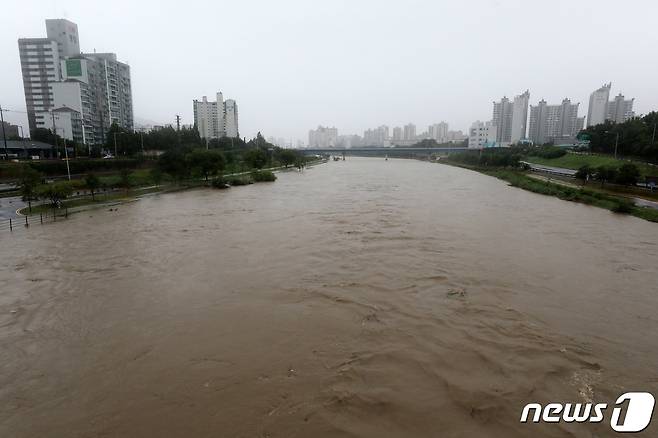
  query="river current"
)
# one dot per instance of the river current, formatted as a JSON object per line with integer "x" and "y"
{"x": 364, "y": 297}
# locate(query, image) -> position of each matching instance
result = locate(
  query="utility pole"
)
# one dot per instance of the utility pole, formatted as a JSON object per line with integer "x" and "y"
{"x": 616, "y": 144}
{"x": 115, "y": 145}
{"x": 52, "y": 115}
{"x": 141, "y": 139}
{"x": 66, "y": 154}
{"x": 178, "y": 128}
{"x": 4, "y": 136}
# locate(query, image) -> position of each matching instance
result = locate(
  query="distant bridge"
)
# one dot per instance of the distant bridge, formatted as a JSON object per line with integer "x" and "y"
{"x": 391, "y": 152}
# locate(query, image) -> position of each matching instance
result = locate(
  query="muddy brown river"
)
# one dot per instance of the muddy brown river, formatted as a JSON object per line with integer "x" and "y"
{"x": 365, "y": 298}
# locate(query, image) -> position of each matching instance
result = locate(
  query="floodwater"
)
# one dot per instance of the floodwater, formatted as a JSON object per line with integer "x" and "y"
{"x": 365, "y": 298}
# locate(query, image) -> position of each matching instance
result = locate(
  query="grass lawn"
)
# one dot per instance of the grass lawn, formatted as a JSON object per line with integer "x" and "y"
{"x": 576, "y": 161}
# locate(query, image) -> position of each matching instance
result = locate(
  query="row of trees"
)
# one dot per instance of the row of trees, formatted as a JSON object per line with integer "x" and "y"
{"x": 626, "y": 174}
{"x": 494, "y": 157}
{"x": 638, "y": 137}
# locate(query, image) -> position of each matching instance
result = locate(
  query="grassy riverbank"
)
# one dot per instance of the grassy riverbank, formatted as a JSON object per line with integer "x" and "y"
{"x": 520, "y": 179}
{"x": 575, "y": 161}
{"x": 142, "y": 184}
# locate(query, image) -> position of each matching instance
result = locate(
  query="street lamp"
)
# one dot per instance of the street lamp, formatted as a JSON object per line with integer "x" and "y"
{"x": 616, "y": 141}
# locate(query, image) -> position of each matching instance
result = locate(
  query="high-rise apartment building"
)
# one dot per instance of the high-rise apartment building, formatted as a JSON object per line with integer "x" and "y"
{"x": 510, "y": 119}
{"x": 554, "y": 123}
{"x": 79, "y": 95}
{"x": 520, "y": 117}
{"x": 376, "y": 137}
{"x": 397, "y": 133}
{"x": 601, "y": 108}
{"x": 620, "y": 109}
{"x": 502, "y": 119}
{"x": 231, "y": 118}
{"x": 216, "y": 119}
{"x": 438, "y": 132}
{"x": 409, "y": 132}
{"x": 597, "y": 111}
{"x": 323, "y": 137}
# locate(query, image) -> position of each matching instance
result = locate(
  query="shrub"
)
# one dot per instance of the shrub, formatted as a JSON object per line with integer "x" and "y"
{"x": 627, "y": 174}
{"x": 263, "y": 176}
{"x": 622, "y": 206}
{"x": 219, "y": 183}
{"x": 548, "y": 152}
{"x": 239, "y": 181}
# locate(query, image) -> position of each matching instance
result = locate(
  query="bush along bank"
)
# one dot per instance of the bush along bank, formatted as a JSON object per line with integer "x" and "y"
{"x": 504, "y": 165}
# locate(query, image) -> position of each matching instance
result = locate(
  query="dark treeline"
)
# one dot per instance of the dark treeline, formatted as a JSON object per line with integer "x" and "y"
{"x": 638, "y": 137}
{"x": 492, "y": 157}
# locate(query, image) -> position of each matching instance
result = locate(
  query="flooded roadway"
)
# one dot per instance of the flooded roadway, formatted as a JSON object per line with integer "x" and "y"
{"x": 362, "y": 298}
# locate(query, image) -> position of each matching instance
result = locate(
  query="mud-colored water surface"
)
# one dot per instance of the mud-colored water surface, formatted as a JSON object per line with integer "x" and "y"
{"x": 363, "y": 298}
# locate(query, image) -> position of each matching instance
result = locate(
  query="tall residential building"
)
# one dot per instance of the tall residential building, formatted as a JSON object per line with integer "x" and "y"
{"x": 520, "y": 117}
{"x": 502, "y": 119}
{"x": 397, "y": 133}
{"x": 376, "y": 137}
{"x": 231, "y": 118}
{"x": 554, "y": 123}
{"x": 409, "y": 132}
{"x": 439, "y": 132}
{"x": 323, "y": 137}
{"x": 79, "y": 95}
{"x": 511, "y": 119}
{"x": 216, "y": 119}
{"x": 482, "y": 135}
{"x": 65, "y": 34}
{"x": 620, "y": 109}
{"x": 40, "y": 64}
{"x": 597, "y": 112}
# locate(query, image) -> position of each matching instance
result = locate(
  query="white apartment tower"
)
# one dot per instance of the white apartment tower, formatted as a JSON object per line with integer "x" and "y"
{"x": 77, "y": 94}
{"x": 216, "y": 119}
{"x": 439, "y": 132}
{"x": 409, "y": 132}
{"x": 554, "y": 123}
{"x": 323, "y": 137}
{"x": 597, "y": 112}
{"x": 40, "y": 64}
{"x": 510, "y": 119}
{"x": 519, "y": 117}
{"x": 502, "y": 119}
{"x": 620, "y": 109}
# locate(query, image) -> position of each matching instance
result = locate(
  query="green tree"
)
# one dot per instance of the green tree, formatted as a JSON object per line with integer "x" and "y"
{"x": 584, "y": 173}
{"x": 255, "y": 158}
{"x": 29, "y": 180}
{"x": 287, "y": 157}
{"x": 205, "y": 162}
{"x": 628, "y": 174}
{"x": 92, "y": 182}
{"x": 55, "y": 192}
{"x": 174, "y": 163}
{"x": 605, "y": 174}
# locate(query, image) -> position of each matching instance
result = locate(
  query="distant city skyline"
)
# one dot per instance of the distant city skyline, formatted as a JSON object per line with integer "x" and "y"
{"x": 294, "y": 65}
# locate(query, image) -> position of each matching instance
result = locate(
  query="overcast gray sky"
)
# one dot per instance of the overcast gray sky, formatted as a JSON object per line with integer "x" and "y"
{"x": 292, "y": 65}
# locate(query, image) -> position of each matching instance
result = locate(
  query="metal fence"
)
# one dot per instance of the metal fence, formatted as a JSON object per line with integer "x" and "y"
{"x": 25, "y": 222}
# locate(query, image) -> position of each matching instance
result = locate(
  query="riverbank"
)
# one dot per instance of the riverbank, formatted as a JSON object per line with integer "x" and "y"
{"x": 520, "y": 179}
{"x": 85, "y": 201}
